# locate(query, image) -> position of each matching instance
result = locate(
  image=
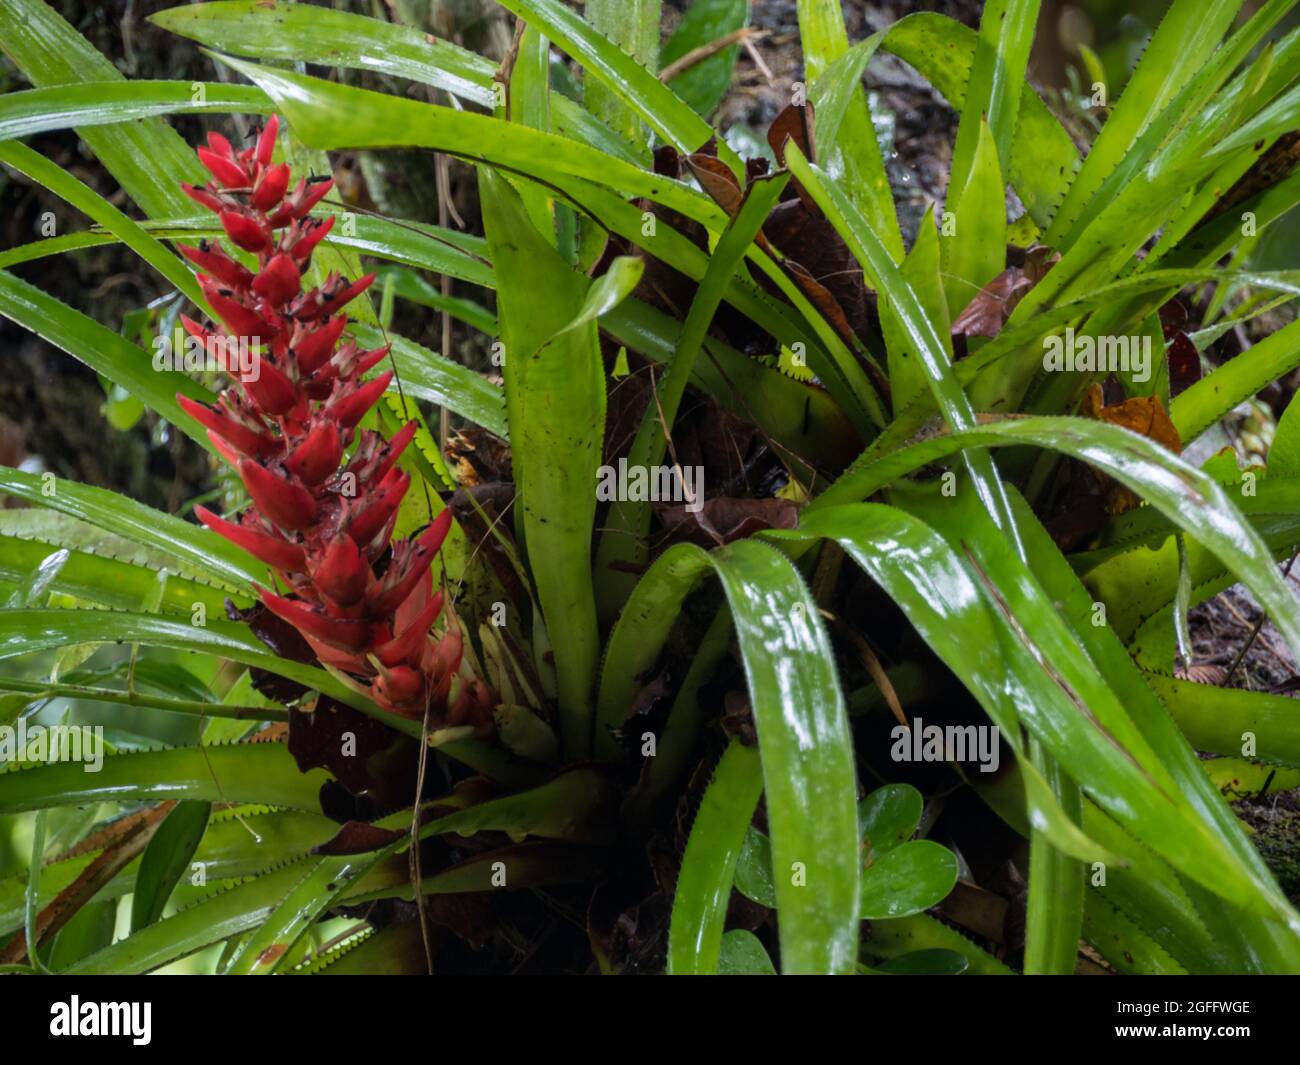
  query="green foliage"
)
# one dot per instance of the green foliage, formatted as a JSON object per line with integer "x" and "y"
{"x": 929, "y": 465}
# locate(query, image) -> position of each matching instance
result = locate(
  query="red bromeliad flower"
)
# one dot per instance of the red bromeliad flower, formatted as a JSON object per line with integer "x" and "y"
{"x": 321, "y": 520}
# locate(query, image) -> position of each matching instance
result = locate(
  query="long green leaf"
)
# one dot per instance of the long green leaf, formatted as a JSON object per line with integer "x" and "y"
{"x": 555, "y": 398}
{"x": 263, "y": 773}
{"x": 704, "y": 883}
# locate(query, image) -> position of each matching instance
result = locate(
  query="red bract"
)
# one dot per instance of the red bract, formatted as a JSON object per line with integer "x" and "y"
{"x": 363, "y": 602}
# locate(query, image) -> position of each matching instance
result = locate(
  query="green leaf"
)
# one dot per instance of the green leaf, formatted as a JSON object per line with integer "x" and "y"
{"x": 996, "y": 84}
{"x": 25, "y": 632}
{"x": 147, "y": 158}
{"x": 933, "y": 962}
{"x": 107, "y": 582}
{"x": 208, "y": 553}
{"x": 78, "y": 195}
{"x": 166, "y": 859}
{"x": 907, "y": 879}
{"x": 976, "y": 254}
{"x": 624, "y": 544}
{"x": 1190, "y": 499}
{"x": 704, "y": 85}
{"x": 908, "y": 935}
{"x": 116, "y": 105}
{"x": 1043, "y": 157}
{"x": 378, "y": 120}
{"x": 854, "y": 150}
{"x": 754, "y": 877}
{"x": 333, "y": 38}
{"x": 808, "y": 768}
{"x": 224, "y": 914}
{"x": 741, "y": 954}
{"x": 709, "y": 864}
{"x": 104, "y": 351}
{"x": 1185, "y": 39}
{"x": 889, "y": 816}
{"x": 929, "y": 582}
{"x": 802, "y": 729}
{"x": 622, "y": 75}
{"x": 632, "y": 26}
{"x": 555, "y": 399}
{"x": 1206, "y": 401}
{"x": 262, "y": 773}
{"x": 1222, "y": 720}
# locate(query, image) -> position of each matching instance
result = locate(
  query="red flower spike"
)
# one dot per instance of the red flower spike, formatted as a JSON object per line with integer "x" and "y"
{"x": 279, "y": 280}
{"x": 266, "y": 142}
{"x": 342, "y": 573}
{"x": 276, "y": 553}
{"x": 346, "y": 634}
{"x": 226, "y": 171}
{"x": 319, "y": 519}
{"x": 288, "y": 505}
{"x": 251, "y": 234}
{"x": 243, "y": 439}
{"x": 317, "y": 456}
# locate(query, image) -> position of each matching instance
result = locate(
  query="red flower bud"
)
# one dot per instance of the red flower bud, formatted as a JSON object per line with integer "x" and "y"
{"x": 271, "y": 390}
{"x": 318, "y": 455}
{"x": 342, "y": 573}
{"x": 288, "y": 505}
{"x": 347, "y": 295}
{"x": 276, "y": 553}
{"x": 243, "y": 439}
{"x": 270, "y": 187}
{"x": 248, "y": 233}
{"x": 347, "y": 634}
{"x": 278, "y": 281}
{"x": 374, "y": 515}
{"x": 225, "y": 170}
{"x": 239, "y": 320}
{"x": 408, "y": 645}
{"x": 217, "y": 263}
{"x": 266, "y": 141}
{"x": 401, "y": 690}
{"x": 350, "y": 404}
{"x": 203, "y": 195}
{"x": 219, "y": 145}
{"x": 313, "y": 347}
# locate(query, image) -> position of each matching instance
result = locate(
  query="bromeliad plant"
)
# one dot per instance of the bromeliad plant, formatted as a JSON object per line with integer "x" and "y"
{"x": 864, "y": 388}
